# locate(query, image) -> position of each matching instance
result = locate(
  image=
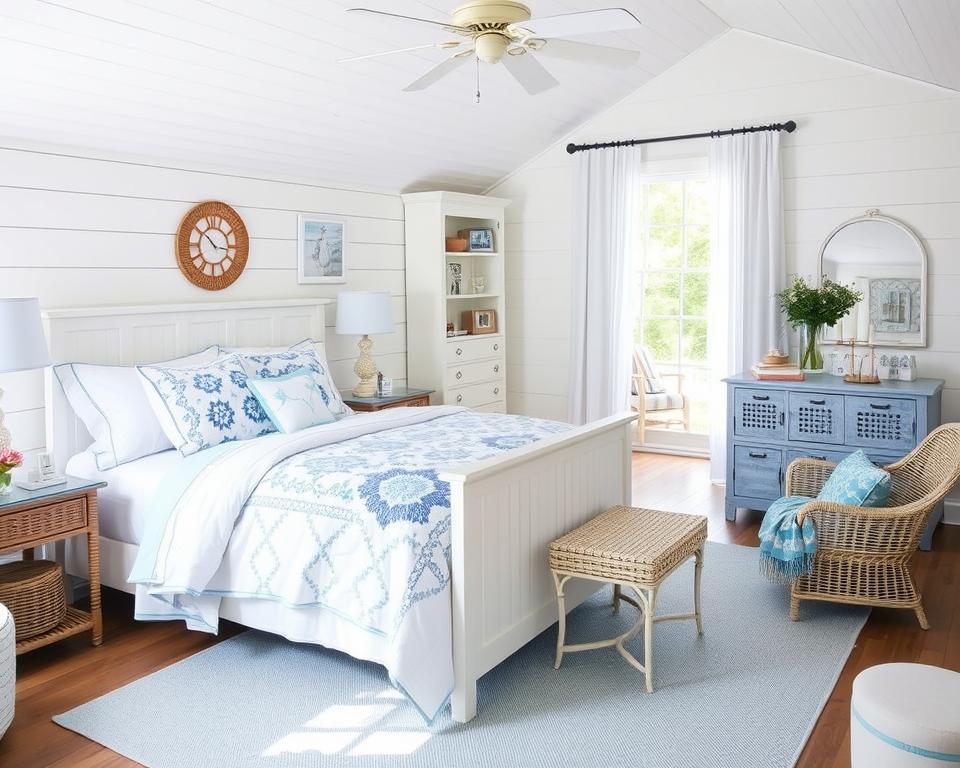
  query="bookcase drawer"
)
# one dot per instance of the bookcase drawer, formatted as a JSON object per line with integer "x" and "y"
{"x": 466, "y": 349}
{"x": 478, "y": 394}
{"x": 757, "y": 471}
{"x": 760, "y": 413}
{"x": 471, "y": 373}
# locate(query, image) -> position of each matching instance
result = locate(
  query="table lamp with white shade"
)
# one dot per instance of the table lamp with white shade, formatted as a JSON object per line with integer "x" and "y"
{"x": 24, "y": 345}
{"x": 363, "y": 313}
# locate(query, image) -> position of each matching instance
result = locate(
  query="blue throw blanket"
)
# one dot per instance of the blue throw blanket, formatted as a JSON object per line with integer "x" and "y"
{"x": 786, "y": 547}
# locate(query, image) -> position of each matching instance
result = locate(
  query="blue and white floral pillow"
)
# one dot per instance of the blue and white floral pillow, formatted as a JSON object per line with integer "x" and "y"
{"x": 293, "y": 401}
{"x": 202, "y": 407}
{"x": 857, "y": 481}
{"x": 299, "y": 356}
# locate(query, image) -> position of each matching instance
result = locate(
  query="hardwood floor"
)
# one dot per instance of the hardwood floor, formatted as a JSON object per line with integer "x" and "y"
{"x": 54, "y": 679}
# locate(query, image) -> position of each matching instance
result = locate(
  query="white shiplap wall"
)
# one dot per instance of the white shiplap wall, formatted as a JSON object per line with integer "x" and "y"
{"x": 865, "y": 139}
{"x": 87, "y": 231}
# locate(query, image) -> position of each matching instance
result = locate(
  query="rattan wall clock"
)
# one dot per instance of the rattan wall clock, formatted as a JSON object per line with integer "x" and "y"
{"x": 212, "y": 245}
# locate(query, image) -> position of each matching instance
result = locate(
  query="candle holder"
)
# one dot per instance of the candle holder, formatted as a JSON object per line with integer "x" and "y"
{"x": 860, "y": 377}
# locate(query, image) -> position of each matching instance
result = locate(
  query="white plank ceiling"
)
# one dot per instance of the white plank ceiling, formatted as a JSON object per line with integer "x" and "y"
{"x": 916, "y": 38}
{"x": 254, "y": 86}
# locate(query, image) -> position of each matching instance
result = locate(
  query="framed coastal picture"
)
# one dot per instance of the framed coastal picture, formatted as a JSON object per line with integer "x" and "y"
{"x": 321, "y": 250}
{"x": 895, "y": 304}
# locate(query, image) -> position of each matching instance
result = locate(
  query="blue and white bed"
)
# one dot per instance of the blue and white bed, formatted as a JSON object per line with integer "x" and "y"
{"x": 415, "y": 538}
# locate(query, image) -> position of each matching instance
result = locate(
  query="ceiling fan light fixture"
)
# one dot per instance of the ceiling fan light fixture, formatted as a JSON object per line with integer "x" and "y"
{"x": 491, "y": 46}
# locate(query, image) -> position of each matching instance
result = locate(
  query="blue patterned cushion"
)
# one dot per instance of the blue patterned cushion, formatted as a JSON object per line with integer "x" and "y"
{"x": 857, "y": 481}
{"x": 300, "y": 356}
{"x": 293, "y": 402}
{"x": 202, "y": 407}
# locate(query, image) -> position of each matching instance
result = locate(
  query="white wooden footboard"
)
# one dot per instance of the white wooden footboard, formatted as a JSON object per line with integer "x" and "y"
{"x": 505, "y": 512}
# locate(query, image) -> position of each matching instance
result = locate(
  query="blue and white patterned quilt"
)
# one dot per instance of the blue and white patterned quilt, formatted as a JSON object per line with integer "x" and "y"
{"x": 349, "y": 517}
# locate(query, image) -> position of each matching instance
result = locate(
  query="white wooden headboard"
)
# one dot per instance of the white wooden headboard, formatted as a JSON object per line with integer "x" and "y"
{"x": 150, "y": 333}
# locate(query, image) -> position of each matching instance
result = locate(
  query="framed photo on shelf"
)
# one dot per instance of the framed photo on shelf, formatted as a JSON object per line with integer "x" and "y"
{"x": 478, "y": 240}
{"x": 477, "y": 321}
{"x": 321, "y": 250}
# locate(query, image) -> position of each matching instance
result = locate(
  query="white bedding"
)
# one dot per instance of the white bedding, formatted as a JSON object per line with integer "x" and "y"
{"x": 125, "y": 503}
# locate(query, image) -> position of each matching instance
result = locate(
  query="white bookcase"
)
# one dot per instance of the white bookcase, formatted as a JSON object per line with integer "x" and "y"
{"x": 462, "y": 370}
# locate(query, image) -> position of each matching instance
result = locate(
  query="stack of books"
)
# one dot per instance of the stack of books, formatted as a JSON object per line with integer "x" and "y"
{"x": 767, "y": 372}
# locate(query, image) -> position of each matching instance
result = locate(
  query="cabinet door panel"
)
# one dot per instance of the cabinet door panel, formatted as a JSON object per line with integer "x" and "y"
{"x": 757, "y": 472}
{"x": 759, "y": 413}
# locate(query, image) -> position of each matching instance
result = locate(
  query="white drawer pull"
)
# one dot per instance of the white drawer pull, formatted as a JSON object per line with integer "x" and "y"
{"x": 496, "y": 369}
{"x": 496, "y": 390}
{"x": 496, "y": 347}
{"x": 459, "y": 351}
{"x": 459, "y": 374}
{"x": 459, "y": 398}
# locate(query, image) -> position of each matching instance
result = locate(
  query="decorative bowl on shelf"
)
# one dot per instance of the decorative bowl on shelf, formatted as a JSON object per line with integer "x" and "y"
{"x": 457, "y": 244}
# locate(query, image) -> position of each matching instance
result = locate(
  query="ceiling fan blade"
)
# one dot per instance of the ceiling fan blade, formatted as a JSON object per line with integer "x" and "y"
{"x": 581, "y": 23}
{"x": 530, "y": 73}
{"x": 442, "y": 69}
{"x": 446, "y": 46}
{"x": 415, "y": 19}
{"x": 615, "y": 58}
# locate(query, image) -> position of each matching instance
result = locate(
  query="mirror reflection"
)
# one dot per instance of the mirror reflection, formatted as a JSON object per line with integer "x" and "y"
{"x": 885, "y": 260}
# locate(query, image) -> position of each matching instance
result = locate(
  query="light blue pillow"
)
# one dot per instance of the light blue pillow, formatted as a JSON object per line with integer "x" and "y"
{"x": 857, "y": 481}
{"x": 274, "y": 364}
{"x": 204, "y": 406}
{"x": 293, "y": 401}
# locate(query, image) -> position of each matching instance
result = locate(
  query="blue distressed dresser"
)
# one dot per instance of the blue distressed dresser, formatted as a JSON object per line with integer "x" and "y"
{"x": 771, "y": 423}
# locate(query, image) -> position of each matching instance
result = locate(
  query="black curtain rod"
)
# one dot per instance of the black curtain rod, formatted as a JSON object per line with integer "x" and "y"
{"x": 790, "y": 126}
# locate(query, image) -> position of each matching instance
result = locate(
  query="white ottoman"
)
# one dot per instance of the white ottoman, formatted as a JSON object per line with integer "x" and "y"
{"x": 905, "y": 716}
{"x": 8, "y": 668}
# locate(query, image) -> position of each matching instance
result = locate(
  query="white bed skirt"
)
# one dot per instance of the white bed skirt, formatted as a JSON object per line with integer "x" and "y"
{"x": 301, "y": 625}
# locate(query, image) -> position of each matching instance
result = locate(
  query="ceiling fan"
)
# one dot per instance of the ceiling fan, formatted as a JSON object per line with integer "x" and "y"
{"x": 502, "y": 31}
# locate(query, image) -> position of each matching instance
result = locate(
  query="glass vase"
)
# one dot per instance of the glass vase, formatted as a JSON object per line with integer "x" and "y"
{"x": 6, "y": 483}
{"x": 811, "y": 356}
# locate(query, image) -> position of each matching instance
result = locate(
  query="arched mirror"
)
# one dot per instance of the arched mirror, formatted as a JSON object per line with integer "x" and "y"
{"x": 885, "y": 260}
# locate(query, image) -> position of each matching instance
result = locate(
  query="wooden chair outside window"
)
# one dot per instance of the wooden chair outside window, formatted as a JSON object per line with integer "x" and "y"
{"x": 650, "y": 398}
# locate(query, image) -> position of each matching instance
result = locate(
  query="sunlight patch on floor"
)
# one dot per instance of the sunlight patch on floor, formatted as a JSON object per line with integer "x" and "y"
{"x": 350, "y": 716}
{"x": 326, "y": 743}
{"x": 336, "y": 728}
{"x": 390, "y": 743}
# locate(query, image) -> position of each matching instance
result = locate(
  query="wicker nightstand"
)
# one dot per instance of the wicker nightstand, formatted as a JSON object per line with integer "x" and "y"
{"x": 400, "y": 398}
{"x": 31, "y": 518}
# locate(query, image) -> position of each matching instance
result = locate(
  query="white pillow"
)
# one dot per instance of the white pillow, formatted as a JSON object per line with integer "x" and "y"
{"x": 267, "y": 362}
{"x": 293, "y": 401}
{"x": 204, "y": 406}
{"x": 111, "y": 403}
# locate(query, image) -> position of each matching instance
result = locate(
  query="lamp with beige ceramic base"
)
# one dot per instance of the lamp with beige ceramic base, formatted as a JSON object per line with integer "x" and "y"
{"x": 364, "y": 313}
{"x": 24, "y": 348}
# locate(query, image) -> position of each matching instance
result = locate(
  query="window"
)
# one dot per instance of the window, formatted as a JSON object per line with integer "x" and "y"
{"x": 671, "y": 291}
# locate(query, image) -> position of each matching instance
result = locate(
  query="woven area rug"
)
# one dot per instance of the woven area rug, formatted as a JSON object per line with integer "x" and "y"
{"x": 745, "y": 694}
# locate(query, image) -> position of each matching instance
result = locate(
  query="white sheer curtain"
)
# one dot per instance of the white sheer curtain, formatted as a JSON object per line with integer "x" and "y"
{"x": 605, "y": 212}
{"x": 748, "y": 265}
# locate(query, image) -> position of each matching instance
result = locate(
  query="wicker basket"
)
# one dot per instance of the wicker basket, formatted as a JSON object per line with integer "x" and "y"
{"x": 33, "y": 592}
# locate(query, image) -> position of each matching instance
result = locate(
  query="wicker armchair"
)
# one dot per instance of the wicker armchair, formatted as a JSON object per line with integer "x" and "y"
{"x": 863, "y": 553}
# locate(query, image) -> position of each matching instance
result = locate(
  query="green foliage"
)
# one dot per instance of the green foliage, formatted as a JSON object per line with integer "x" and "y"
{"x": 661, "y": 295}
{"x": 817, "y": 307}
{"x": 698, "y": 247}
{"x": 696, "y": 294}
{"x": 695, "y": 341}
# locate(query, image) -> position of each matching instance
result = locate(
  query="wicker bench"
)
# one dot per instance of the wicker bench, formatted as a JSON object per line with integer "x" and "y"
{"x": 637, "y": 548}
